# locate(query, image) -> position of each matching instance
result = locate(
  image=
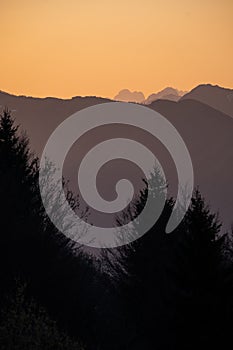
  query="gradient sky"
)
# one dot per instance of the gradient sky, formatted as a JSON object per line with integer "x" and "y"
{"x": 66, "y": 48}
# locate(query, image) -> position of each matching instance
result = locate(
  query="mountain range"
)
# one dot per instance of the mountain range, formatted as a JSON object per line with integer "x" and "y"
{"x": 203, "y": 117}
{"x": 168, "y": 93}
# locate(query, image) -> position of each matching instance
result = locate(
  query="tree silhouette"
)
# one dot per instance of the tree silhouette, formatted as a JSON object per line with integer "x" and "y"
{"x": 175, "y": 279}
{"x": 193, "y": 276}
{"x": 31, "y": 248}
{"x": 20, "y": 205}
{"x": 161, "y": 291}
{"x": 26, "y": 325}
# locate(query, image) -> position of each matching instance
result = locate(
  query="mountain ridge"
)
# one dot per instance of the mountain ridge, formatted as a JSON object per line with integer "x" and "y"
{"x": 206, "y": 131}
{"x": 215, "y": 96}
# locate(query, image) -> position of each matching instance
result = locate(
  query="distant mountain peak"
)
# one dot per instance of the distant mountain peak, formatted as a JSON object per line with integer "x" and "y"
{"x": 168, "y": 93}
{"x": 126, "y": 95}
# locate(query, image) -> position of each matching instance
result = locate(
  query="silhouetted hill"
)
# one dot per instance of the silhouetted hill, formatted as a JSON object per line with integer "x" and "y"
{"x": 208, "y": 136}
{"x": 206, "y": 131}
{"x": 213, "y": 95}
{"x": 40, "y": 116}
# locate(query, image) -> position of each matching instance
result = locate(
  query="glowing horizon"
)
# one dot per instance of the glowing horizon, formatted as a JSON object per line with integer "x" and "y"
{"x": 69, "y": 48}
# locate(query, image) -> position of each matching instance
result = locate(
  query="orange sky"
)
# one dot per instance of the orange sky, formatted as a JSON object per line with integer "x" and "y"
{"x": 65, "y": 48}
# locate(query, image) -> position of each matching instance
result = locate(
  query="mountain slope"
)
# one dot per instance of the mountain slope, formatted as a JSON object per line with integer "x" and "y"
{"x": 206, "y": 131}
{"x": 40, "y": 116}
{"x": 208, "y": 137}
{"x": 214, "y": 96}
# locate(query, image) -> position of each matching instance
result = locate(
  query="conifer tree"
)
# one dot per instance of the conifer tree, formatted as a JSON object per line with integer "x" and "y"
{"x": 20, "y": 205}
